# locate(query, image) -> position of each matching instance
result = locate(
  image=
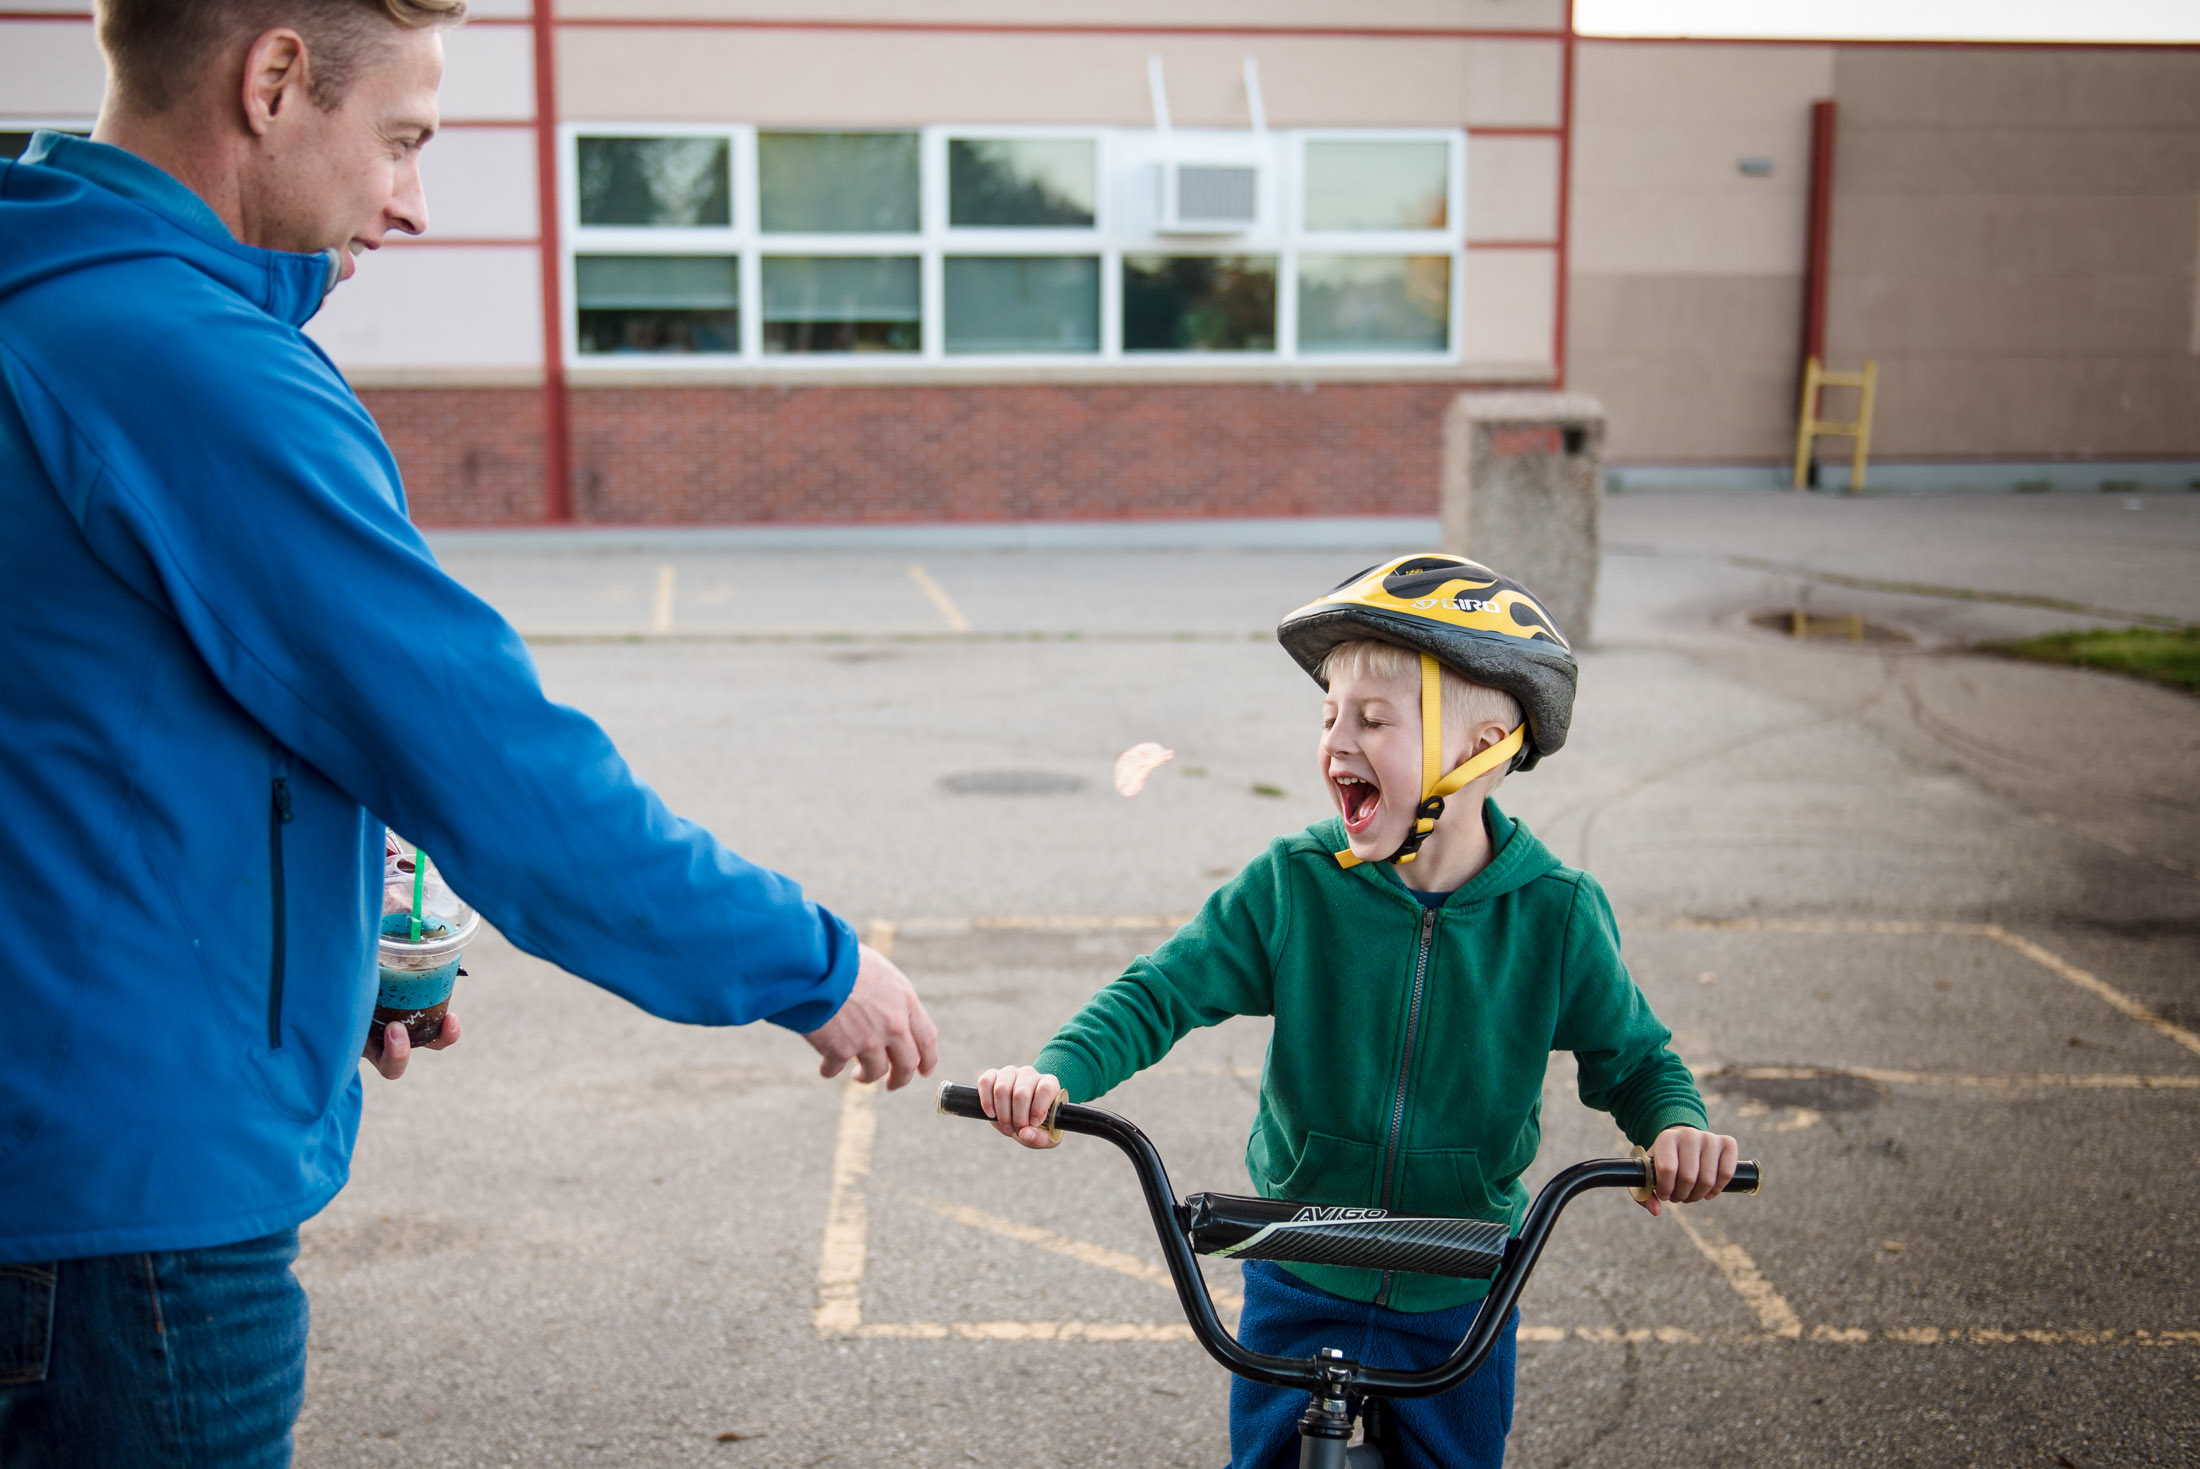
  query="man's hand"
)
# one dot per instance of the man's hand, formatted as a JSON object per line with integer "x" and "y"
{"x": 882, "y": 1027}
{"x": 1692, "y": 1166}
{"x": 392, "y": 1048}
{"x": 1018, "y": 1098}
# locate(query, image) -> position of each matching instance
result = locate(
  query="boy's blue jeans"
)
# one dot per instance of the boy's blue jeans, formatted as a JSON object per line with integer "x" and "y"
{"x": 1462, "y": 1429}
{"x": 154, "y": 1361}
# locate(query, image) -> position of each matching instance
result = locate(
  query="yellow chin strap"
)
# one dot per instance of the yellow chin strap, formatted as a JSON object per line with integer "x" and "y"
{"x": 1435, "y": 788}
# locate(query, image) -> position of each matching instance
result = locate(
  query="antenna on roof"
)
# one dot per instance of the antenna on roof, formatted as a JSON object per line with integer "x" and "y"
{"x": 1159, "y": 89}
{"x": 1252, "y": 95}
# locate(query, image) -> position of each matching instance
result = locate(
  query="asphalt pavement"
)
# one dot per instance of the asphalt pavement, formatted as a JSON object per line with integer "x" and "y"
{"x": 1923, "y": 920}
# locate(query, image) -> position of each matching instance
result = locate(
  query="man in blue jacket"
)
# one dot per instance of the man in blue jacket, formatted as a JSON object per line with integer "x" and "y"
{"x": 231, "y": 660}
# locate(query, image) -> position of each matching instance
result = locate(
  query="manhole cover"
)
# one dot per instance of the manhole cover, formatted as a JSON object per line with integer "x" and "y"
{"x": 1815, "y": 1087}
{"x": 1013, "y": 783}
{"x": 1835, "y": 627}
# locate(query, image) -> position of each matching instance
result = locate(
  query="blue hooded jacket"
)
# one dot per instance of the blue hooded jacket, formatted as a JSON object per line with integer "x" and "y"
{"x": 225, "y": 646}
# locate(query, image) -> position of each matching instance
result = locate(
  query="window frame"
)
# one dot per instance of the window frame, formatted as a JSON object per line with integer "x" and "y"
{"x": 1122, "y": 157}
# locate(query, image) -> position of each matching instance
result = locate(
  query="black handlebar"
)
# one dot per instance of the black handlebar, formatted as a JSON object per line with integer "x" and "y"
{"x": 1172, "y": 1222}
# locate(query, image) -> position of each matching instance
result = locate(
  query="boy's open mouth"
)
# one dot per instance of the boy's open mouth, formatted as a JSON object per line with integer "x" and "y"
{"x": 1360, "y": 800}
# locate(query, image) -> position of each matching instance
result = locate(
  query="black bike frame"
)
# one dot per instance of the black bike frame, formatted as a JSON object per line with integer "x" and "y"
{"x": 1330, "y": 1377}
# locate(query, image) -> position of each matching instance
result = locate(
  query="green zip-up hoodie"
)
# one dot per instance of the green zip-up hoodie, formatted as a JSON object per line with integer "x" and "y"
{"x": 1406, "y": 1067}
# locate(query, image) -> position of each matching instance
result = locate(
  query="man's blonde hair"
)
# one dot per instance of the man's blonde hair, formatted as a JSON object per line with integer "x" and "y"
{"x": 1466, "y": 703}
{"x": 155, "y": 48}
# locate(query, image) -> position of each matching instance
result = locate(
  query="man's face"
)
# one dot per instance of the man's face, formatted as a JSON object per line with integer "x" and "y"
{"x": 346, "y": 178}
{"x": 1370, "y": 756}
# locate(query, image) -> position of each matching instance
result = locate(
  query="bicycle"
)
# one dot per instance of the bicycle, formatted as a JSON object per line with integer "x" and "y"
{"x": 1235, "y": 1226}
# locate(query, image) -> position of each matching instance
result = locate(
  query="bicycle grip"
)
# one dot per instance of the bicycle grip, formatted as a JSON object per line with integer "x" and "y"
{"x": 957, "y": 1100}
{"x": 1747, "y": 1178}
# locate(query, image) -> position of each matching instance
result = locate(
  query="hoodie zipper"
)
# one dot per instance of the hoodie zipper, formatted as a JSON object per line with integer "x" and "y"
{"x": 278, "y": 817}
{"x": 1405, "y": 1069}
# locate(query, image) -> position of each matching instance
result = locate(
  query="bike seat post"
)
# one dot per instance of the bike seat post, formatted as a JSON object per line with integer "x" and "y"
{"x": 1326, "y": 1426}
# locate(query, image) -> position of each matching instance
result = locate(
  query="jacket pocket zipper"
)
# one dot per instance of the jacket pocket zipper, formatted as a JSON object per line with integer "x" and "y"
{"x": 278, "y": 817}
{"x": 1405, "y": 1069}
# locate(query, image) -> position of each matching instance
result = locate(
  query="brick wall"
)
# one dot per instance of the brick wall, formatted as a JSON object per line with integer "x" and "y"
{"x": 864, "y": 453}
{"x": 470, "y": 456}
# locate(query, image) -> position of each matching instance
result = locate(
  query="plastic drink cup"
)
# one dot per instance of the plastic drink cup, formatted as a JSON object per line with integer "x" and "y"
{"x": 417, "y": 978}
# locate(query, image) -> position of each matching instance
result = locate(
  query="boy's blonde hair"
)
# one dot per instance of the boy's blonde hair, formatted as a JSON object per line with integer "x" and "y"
{"x": 1466, "y": 703}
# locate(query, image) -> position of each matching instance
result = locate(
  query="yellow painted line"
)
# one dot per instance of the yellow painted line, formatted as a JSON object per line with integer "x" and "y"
{"x": 2100, "y": 989}
{"x": 1027, "y": 1330}
{"x": 2039, "y": 954}
{"x": 660, "y": 618}
{"x": 2079, "y": 1081}
{"x": 952, "y": 614}
{"x": 1607, "y": 1336}
{"x": 1084, "y": 1252}
{"x": 841, "y": 1255}
{"x": 847, "y": 1219}
{"x": 1741, "y": 1272}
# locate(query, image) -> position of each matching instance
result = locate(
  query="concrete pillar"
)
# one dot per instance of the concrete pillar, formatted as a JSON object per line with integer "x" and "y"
{"x": 1523, "y": 475}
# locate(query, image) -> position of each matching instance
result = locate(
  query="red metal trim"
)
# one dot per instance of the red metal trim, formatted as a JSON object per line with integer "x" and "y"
{"x": 1557, "y": 132}
{"x": 1565, "y": 201}
{"x": 1815, "y": 264}
{"x": 557, "y": 440}
{"x": 993, "y": 28}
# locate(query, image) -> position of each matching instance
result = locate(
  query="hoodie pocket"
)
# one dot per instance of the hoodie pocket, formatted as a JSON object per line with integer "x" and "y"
{"x": 1330, "y": 1170}
{"x": 1446, "y": 1182}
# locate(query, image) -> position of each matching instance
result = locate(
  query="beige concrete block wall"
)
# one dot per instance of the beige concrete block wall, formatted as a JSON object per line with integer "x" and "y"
{"x": 1686, "y": 297}
{"x": 2015, "y": 240}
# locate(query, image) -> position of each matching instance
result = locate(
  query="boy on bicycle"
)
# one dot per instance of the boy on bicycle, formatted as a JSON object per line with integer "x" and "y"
{"x": 1420, "y": 971}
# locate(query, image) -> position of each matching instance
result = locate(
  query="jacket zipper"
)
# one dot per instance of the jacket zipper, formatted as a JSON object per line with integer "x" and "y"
{"x": 278, "y": 817}
{"x": 1405, "y": 1069}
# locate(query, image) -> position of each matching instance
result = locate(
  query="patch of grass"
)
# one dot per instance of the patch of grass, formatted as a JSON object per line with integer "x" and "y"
{"x": 1263, "y": 788}
{"x": 2163, "y": 655}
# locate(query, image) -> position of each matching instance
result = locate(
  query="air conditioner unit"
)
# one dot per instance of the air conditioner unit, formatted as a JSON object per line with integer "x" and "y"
{"x": 1209, "y": 198}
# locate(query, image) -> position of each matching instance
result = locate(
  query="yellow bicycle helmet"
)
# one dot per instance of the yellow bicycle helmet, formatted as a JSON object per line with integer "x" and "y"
{"x": 1456, "y": 614}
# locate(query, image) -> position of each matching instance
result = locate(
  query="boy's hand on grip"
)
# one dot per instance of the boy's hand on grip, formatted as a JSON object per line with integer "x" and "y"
{"x": 1692, "y": 1166}
{"x": 1018, "y": 1100}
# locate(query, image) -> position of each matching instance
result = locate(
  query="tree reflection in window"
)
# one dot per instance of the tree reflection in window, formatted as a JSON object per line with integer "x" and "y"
{"x": 1021, "y": 183}
{"x": 664, "y": 182}
{"x": 1199, "y": 303}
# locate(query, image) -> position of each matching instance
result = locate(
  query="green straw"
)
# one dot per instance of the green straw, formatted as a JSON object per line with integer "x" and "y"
{"x": 420, "y": 878}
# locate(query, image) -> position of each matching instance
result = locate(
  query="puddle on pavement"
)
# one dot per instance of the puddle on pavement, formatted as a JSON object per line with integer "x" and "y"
{"x": 1805, "y": 625}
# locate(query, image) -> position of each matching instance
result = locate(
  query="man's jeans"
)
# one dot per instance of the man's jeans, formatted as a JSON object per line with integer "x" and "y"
{"x": 183, "y": 1358}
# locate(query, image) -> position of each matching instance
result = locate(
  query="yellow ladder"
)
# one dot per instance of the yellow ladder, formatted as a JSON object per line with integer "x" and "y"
{"x": 1809, "y": 426}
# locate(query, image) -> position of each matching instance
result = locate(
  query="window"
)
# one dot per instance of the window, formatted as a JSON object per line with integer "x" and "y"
{"x": 1199, "y": 303}
{"x": 1377, "y": 185}
{"x": 655, "y": 182}
{"x": 841, "y": 303}
{"x": 1023, "y": 303}
{"x": 1010, "y": 245}
{"x": 1022, "y": 182}
{"x": 837, "y": 183}
{"x": 1374, "y": 303}
{"x": 658, "y": 303}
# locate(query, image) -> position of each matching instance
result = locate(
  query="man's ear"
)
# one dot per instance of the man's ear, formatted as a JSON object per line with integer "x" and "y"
{"x": 275, "y": 78}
